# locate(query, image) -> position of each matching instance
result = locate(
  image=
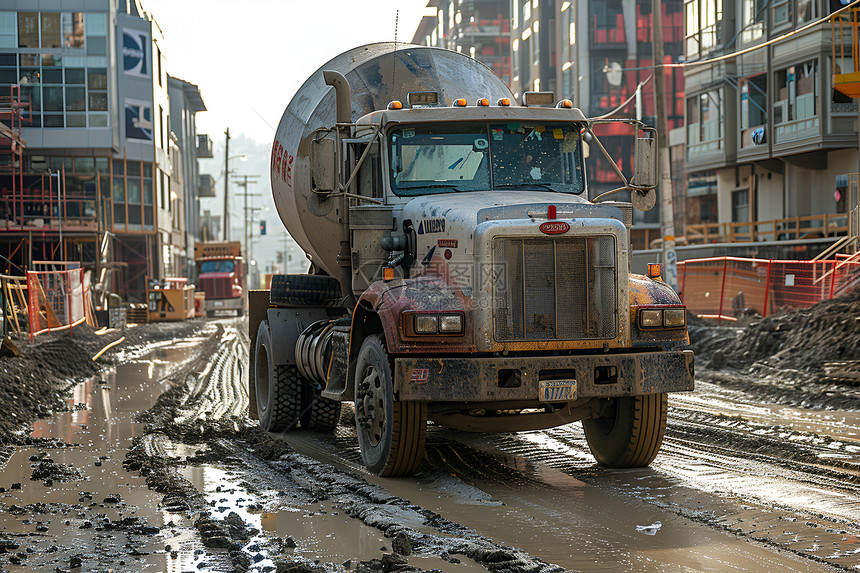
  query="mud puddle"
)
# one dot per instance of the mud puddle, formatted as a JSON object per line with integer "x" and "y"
{"x": 68, "y": 502}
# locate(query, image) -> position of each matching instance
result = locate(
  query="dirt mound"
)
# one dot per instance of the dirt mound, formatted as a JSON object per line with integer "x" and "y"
{"x": 804, "y": 339}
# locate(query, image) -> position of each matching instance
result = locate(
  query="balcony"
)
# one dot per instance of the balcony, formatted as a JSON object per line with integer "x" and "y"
{"x": 206, "y": 186}
{"x": 204, "y": 147}
{"x": 806, "y": 227}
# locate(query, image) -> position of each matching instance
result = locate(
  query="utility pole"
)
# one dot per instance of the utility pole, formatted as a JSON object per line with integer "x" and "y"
{"x": 226, "y": 183}
{"x": 243, "y": 183}
{"x": 667, "y": 213}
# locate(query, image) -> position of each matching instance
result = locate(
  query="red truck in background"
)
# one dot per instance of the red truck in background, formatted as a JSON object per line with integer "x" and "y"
{"x": 221, "y": 275}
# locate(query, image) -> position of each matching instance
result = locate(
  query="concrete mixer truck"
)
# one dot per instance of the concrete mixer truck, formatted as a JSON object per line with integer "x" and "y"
{"x": 458, "y": 272}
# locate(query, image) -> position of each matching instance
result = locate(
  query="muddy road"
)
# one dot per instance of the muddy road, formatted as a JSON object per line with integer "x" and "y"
{"x": 153, "y": 466}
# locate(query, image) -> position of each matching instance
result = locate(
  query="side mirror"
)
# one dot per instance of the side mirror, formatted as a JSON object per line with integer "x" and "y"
{"x": 324, "y": 165}
{"x": 645, "y": 161}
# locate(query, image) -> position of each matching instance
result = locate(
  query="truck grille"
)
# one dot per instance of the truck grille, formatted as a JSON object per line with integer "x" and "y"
{"x": 554, "y": 288}
{"x": 216, "y": 287}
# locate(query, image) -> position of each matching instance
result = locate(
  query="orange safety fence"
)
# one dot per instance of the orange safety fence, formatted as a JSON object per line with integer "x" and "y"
{"x": 725, "y": 288}
{"x": 57, "y": 300}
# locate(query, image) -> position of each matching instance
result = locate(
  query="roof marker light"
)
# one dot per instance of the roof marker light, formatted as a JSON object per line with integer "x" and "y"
{"x": 395, "y": 105}
{"x": 550, "y": 212}
{"x": 565, "y": 103}
{"x": 504, "y": 102}
{"x": 483, "y": 102}
{"x": 461, "y": 102}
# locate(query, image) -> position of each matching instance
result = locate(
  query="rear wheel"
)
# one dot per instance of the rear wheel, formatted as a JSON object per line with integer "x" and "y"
{"x": 390, "y": 432}
{"x": 630, "y": 432}
{"x": 320, "y": 414}
{"x": 278, "y": 388}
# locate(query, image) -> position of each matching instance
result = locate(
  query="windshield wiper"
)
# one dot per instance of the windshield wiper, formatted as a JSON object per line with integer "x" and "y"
{"x": 430, "y": 186}
{"x": 546, "y": 186}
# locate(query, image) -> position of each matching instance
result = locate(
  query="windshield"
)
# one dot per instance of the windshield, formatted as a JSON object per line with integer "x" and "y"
{"x": 220, "y": 266}
{"x": 449, "y": 158}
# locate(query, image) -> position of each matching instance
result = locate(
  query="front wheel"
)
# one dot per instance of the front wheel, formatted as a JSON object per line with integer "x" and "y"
{"x": 630, "y": 432}
{"x": 390, "y": 432}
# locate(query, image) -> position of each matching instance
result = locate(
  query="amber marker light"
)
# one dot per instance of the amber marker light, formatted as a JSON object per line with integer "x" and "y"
{"x": 483, "y": 102}
{"x": 395, "y": 105}
{"x": 655, "y": 271}
{"x": 461, "y": 102}
{"x": 388, "y": 274}
{"x": 504, "y": 102}
{"x": 565, "y": 103}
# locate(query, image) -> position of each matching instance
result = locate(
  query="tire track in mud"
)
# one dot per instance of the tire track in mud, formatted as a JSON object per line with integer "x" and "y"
{"x": 205, "y": 411}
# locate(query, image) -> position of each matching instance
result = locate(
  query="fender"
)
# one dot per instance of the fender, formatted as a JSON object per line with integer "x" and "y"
{"x": 644, "y": 291}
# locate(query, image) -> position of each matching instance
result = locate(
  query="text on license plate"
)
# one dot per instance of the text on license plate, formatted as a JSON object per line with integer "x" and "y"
{"x": 219, "y": 303}
{"x": 557, "y": 390}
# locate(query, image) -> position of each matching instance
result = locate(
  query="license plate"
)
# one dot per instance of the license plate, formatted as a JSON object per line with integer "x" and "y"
{"x": 557, "y": 390}
{"x": 219, "y": 303}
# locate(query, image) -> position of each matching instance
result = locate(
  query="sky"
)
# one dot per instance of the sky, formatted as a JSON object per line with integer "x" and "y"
{"x": 248, "y": 58}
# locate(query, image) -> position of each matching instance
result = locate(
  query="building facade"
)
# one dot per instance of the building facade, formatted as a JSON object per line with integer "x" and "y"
{"x": 769, "y": 140}
{"x": 91, "y": 180}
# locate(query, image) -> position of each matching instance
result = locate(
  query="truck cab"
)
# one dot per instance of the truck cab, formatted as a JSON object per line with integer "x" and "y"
{"x": 221, "y": 276}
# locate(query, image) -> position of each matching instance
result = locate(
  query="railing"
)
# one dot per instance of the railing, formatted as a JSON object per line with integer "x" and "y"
{"x": 726, "y": 288}
{"x": 808, "y": 226}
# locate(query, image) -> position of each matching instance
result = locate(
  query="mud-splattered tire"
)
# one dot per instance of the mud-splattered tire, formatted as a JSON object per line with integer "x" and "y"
{"x": 390, "y": 432}
{"x": 278, "y": 388}
{"x": 323, "y": 414}
{"x": 630, "y": 436}
{"x": 304, "y": 290}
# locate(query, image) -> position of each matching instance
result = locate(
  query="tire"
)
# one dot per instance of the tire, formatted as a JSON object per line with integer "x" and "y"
{"x": 304, "y": 290}
{"x": 631, "y": 435}
{"x": 322, "y": 414}
{"x": 390, "y": 432}
{"x": 278, "y": 388}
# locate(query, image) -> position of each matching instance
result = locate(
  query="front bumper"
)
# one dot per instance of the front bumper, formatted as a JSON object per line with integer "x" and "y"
{"x": 235, "y": 303}
{"x": 456, "y": 379}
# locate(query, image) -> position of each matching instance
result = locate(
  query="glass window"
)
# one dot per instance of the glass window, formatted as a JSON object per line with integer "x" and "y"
{"x": 96, "y": 24}
{"x": 28, "y": 60}
{"x": 445, "y": 159}
{"x": 76, "y": 120}
{"x": 147, "y": 191}
{"x": 781, "y": 12}
{"x": 97, "y": 101}
{"x": 220, "y": 266}
{"x": 52, "y": 76}
{"x": 98, "y": 120}
{"x": 73, "y": 29}
{"x": 51, "y": 31}
{"x": 75, "y": 76}
{"x": 796, "y": 91}
{"x": 84, "y": 165}
{"x": 753, "y": 101}
{"x": 52, "y": 120}
{"x": 8, "y": 30}
{"x": 76, "y": 98}
{"x": 28, "y": 29}
{"x": 753, "y": 14}
{"x": 132, "y": 168}
{"x": 118, "y": 189}
{"x": 52, "y": 98}
{"x": 97, "y": 78}
{"x": 96, "y": 46}
{"x": 7, "y": 60}
{"x": 133, "y": 189}
{"x": 806, "y": 11}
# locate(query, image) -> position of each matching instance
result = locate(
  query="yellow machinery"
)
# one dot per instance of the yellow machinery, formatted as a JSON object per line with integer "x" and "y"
{"x": 845, "y": 28}
{"x": 173, "y": 302}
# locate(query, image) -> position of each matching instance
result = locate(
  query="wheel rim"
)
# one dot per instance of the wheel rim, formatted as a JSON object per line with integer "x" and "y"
{"x": 370, "y": 406}
{"x": 262, "y": 378}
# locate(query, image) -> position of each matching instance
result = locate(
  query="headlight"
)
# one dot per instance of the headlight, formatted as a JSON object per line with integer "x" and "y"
{"x": 674, "y": 317}
{"x": 650, "y": 318}
{"x": 426, "y": 323}
{"x": 451, "y": 323}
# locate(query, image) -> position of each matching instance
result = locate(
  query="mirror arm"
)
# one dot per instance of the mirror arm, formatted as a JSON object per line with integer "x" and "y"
{"x": 361, "y": 159}
{"x": 611, "y": 161}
